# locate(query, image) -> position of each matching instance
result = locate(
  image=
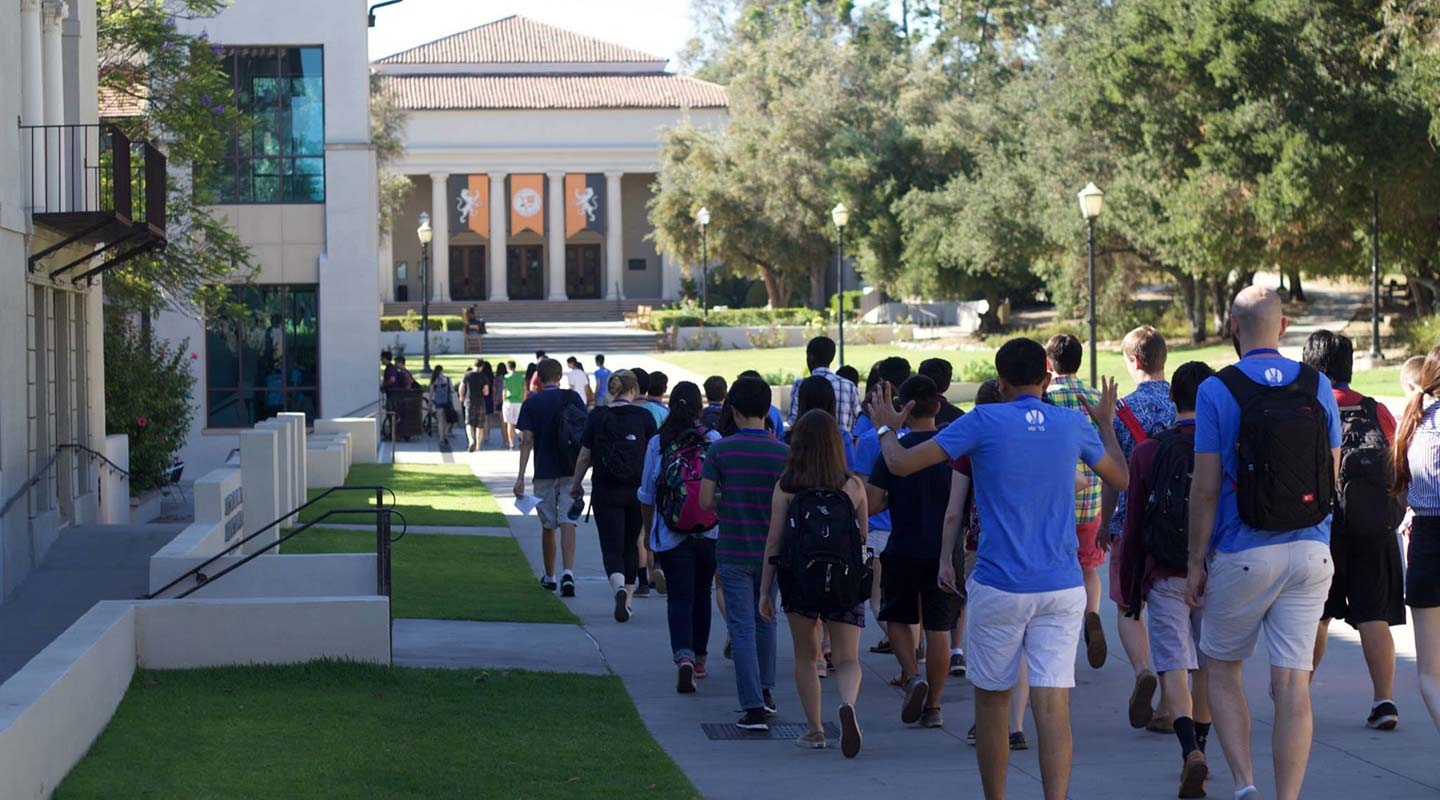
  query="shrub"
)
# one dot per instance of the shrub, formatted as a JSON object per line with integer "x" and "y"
{"x": 1417, "y": 336}
{"x": 852, "y": 304}
{"x": 411, "y": 322}
{"x": 779, "y": 378}
{"x": 757, "y": 296}
{"x": 978, "y": 371}
{"x": 689, "y": 317}
{"x": 147, "y": 397}
{"x": 768, "y": 338}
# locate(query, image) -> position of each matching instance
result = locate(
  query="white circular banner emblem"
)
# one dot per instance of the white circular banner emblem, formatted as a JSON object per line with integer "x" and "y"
{"x": 527, "y": 202}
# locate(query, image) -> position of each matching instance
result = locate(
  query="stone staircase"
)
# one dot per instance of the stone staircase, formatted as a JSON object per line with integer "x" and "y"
{"x": 551, "y": 311}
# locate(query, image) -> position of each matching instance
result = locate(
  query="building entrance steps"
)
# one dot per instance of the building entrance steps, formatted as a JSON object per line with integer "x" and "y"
{"x": 548, "y": 311}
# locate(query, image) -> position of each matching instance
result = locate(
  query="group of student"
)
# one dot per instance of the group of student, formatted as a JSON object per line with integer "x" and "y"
{"x": 1266, "y": 494}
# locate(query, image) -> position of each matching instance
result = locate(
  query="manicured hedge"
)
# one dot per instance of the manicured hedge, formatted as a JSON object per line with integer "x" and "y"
{"x": 438, "y": 322}
{"x": 731, "y": 317}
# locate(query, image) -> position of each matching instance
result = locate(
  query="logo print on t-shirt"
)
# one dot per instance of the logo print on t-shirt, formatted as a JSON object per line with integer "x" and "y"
{"x": 1035, "y": 419}
{"x": 1274, "y": 376}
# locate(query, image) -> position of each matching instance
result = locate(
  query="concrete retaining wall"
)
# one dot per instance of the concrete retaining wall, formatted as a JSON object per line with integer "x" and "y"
{"x": 191, "y": 633}
{"x": 273, "y": 575}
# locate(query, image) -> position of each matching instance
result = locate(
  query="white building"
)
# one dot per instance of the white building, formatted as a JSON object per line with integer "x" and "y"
{"x": 301, "y": 193}
{"x": 69, "y": 210}
{"x": 533, "y": 149}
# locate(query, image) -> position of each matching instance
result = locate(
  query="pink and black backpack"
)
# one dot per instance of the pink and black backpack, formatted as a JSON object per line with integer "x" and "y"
{"x": 678, "y": 495}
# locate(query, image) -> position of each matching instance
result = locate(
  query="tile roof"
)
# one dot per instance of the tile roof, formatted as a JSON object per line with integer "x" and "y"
{"x": 495, "y": 92}
{"x": 115, "y": 104}
{"x": 518, "y": 40}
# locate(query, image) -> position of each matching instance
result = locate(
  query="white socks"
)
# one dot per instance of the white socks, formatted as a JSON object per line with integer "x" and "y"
{"x": 617, "y": 581}
{"x": 1241, "y": 794}
{"x": 955, "y": 651}
{"x": 569, "y": 573}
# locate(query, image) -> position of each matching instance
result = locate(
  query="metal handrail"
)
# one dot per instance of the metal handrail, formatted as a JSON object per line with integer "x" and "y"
{"x": 29, "y": 484}
{"x": 379, "y": 507}
{"x": 97, "y": 454}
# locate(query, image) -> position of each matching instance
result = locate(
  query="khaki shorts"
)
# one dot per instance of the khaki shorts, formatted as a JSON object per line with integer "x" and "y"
{"x": 554, "y": 494}
{"x": 1173, "y": 625}
{"x": 1003, "y": 627}
{"x": 1280, "y": 586}
{"x": 511, "y": 412}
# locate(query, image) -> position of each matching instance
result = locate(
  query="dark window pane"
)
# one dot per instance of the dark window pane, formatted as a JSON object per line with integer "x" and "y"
{"x": 266, "y": 359}
{"x": 230, "y": 409}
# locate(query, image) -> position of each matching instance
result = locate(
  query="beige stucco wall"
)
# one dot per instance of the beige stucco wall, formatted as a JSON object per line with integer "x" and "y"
{"x": 285, "y": 241}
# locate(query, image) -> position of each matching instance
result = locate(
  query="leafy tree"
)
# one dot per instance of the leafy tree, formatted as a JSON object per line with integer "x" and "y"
{"x": 387, "y": 134}
{"x": 147, "y": 397}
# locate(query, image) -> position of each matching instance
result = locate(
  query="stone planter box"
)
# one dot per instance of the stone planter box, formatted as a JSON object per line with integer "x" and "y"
{"x": 412, "y": 345}
{"x": 786, "y": 336}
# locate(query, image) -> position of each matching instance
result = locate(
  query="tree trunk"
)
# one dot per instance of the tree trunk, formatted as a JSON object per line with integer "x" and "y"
{"x": 1297, "y": 291}
{"x": 1192, "y": 297}
{"x": 774, "y": 289}
{"x": 817, "y": 286}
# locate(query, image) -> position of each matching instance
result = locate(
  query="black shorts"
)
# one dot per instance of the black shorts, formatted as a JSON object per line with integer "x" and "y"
{"x": 909, "y": 593}
{"x": 1369, "y": 582}
{"x": 1422, "y": 576}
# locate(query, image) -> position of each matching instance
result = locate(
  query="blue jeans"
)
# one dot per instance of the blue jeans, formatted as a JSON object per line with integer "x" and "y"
{"x": 751, "y": 638}
{"x": 689, "y": 573}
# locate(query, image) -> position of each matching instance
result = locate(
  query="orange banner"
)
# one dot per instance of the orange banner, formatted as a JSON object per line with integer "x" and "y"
{"x": 470, "y": 200}
{"x": 527, "y": 203}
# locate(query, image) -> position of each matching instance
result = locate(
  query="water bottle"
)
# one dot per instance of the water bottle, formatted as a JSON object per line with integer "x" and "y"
{"x": 576, "y": 509}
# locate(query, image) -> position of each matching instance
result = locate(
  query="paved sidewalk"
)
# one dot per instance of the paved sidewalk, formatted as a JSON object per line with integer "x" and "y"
{"x": 458, "y": 644}
{"x": 1111, "y": 760}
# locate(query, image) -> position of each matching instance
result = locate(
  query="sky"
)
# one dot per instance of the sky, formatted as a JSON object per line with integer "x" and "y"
{"x": 654, "y": 26}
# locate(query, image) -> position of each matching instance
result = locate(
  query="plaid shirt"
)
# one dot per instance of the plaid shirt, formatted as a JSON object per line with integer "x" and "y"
{"x": 847, "y": 400}
{"x": 1152, "y": 406}
{"x": 1066, "y": 392}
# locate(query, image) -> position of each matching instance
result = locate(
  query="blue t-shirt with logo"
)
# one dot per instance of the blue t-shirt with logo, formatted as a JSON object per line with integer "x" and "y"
{"x": 867, "y": 450}
{"x": 1023, "y": 455}
{"x": 1217, "y": 427}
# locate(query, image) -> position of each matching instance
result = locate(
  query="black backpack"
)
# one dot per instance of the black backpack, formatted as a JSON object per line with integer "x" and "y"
{"x": 822, "y": 563}
{"x": 1364, "y": 505}
{"x": 1165, "y": 525}
{"x": 571, "y": 431}
{"x": 1286, "y": 478}
{"x": 620, "y": 444}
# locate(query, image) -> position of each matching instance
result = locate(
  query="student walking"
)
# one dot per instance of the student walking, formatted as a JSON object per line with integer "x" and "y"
{"x": 510, "y": 407}
{"x": 715, "y": 390}
{"x": 1144, "y": 412}
{"x": 819, "y": 355}
{"x": 476, "y": 392}
{"x": 543, "y": 423}
{"x": 1064, "y": 352}
{"x": 911, "y": 591}
{"x": 442, "y": 398}
{"x": 1259, "y": 553}
{"x": 1026, "y": 597}
{"x": 1368, "y": 591}
{"x": 892, "y": 371}
{"x": 1416, "y": 460}
{"x": 614, "y": 444}
{"x": 683, "y": 531}
{"x": 1152, "y": 558}
{"x": 602, "y": 381}
{"x": 739, "y": 478}
{"x": 815, "y": 550}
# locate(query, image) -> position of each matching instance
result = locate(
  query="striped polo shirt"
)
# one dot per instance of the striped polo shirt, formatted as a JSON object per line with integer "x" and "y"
{"x": 745, "y": 467}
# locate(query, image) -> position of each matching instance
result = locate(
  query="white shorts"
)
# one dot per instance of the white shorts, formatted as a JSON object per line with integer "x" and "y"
{"x": 1174, "y": 626}
{"x": 875, "y": 540}
{"x": 1280, "y": 586}
{"x": 1002, "y": 627}
{"x": 511, "y": 412}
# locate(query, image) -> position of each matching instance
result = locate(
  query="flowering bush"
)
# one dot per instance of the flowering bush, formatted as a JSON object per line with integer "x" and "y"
{"x": 147, "y": 397}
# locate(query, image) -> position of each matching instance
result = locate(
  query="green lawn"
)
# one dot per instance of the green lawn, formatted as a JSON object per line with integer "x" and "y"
{"x": 335, "y": 731}
{"x": 441, "y": 576}
{"x": 1384, "y": 382}
{"x": 427, "y": 494}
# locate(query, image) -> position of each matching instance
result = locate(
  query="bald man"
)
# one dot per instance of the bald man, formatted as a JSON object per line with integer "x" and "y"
{"x": 1267, "y": 560}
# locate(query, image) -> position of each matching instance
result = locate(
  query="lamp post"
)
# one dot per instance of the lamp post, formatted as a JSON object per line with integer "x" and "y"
{"x": 1091, "y": 199}
{"x": 703, "y": 217}
{"x": 425, "y": 233}
{"x": 1375, "y": 275}
{"x": 840, "y": 215}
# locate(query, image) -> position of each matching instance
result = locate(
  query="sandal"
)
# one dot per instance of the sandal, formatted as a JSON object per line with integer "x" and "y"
{"x": 882, "y": 647}
{"x": 900, "y": 680}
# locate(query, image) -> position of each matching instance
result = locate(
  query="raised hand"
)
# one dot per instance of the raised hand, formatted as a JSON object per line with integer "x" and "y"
{"x": 882, "y": 407}
{"x": 1102, "y": 413}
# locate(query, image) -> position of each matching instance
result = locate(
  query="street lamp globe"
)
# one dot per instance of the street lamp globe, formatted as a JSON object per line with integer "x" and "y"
{"x": 1091, "y": 199}
{"x": 703, "y": 216}
{"x": 840, "y": 215}
{"x": 424, "y": 231}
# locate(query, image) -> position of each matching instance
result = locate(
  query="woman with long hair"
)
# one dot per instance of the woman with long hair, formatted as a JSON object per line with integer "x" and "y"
{"x": 442, "y": 398}
{"x": 817, "y": 461}
{"x": 1416, "y": 459}
{"x": 682, "y": 537}
{"x": 614, "y": 442}
{"x": 486, "y": 404}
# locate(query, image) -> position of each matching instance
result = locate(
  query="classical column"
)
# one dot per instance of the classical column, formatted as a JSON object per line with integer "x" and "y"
{"x": 614, "y": 271}
{"x": 32, "y": 65}
{"x": 387, "y": 265}
{"x": 59, "y": 141}
{"x": 499, "y": 288}
{"x": 669, "y": 277}
{"x": 555, "y": 240}
{"x": 440, "y": 240}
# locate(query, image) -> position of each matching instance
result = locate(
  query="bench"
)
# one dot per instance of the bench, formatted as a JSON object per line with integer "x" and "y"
{"x": 473, "y": 342}
{"x": 639, "y": 318}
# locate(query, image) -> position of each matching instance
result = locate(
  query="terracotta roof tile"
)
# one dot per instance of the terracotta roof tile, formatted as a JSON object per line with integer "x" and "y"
{"x": 115, "y": 104}
{"x": 518, "y": 40}
{"x": 495, "y": 92}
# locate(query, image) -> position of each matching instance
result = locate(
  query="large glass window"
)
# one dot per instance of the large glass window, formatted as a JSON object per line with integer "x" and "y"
{"x": 280, "y": 157}
{"x": 264, "y": 359}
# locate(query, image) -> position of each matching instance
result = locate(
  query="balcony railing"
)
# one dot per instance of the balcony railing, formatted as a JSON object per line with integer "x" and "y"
{"x": 83, "y": 182}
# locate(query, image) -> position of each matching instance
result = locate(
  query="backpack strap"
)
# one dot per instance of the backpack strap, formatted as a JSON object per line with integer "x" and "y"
{"x": 1131, "y": 422}
{"x": 1238, "y": 384}
{"x": 1308, "y": 382}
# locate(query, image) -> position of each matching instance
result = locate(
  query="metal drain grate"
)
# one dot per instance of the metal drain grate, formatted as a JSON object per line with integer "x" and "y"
{"x": 787, "y": 731}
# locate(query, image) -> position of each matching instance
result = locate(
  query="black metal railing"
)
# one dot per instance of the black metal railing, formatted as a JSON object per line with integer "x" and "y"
{"x": 73, "y": 169}
{"x": 383, "y": 527}
{"x": 44, "y": 470}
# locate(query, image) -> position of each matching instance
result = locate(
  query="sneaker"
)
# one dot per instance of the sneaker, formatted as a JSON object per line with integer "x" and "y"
{"x": 622, "y": 606}
{"x": 700, "y": 671}
{"x": 729, "y": 651}
{"x": 1018, "y": 741}
{"x": 643, "y": 590}
{"x": 754, "y": 720}
{"x": 957, "y": 665}
{"x": 685, "y": 679}
{"x": 1094, "y": 640}
{"x": 970, "y": 736}
{"x": 1193, "y": 775}
{"x": 930, "y": 718}
{"x": 658, "y": 576}
{"x": 917, "y": 691}
{"x": 1140, "y": 711}
{"x": 1161, "y": 724}
{"x": 567, "y": 586}
{"x": 849, "y": 732}
{"x": 811, "y": 740}
{"x": 1383, "y": 717}
{"x": 820, "y": 669}
{"x": 548, "y": 584}
{"x": 770, "y": 707}
{"x": 829, "y": 662}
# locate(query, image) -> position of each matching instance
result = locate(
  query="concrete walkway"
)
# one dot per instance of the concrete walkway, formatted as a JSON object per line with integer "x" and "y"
{"x": 1111, "y": 760}
{"x": 457, "y": 644}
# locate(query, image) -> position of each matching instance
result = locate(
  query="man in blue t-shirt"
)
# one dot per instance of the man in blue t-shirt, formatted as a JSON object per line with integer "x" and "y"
{"x": 1026, "y": 595}
{"x": 539, "y": 423}
{"x": 1245, "y": 577}
{"x": 602, "y": 381}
